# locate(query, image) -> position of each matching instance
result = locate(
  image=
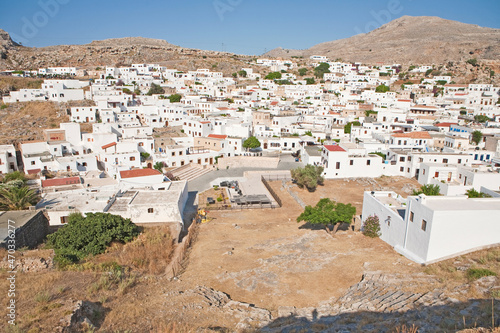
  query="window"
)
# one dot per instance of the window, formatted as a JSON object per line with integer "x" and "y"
{"x": 337, "y": 165}
{"x": 180, "y": 153}
{"x": 84, "y": 164}
{"x": 173, "y": 153}
{"x": 32, "y": 162}
{"x": 436, "y": 174}
{"x": 150, "y": 210}
{"x": 132, "y": 158}
{"x": 411, "y": 216}
{"x": 445, "y": 160}
{"x": 424, "y": 225}
{"x": 368, "y": 162}
{"x": 423, "y": 171}
{"x": 459, "y": 160}
{"x": 401, "y": 159}
{"x": 64, "y": 219}
{"x": 402, "y": 169}
{"x": 351, "y": 162}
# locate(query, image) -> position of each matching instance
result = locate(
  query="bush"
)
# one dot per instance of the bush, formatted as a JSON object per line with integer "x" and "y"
{"x": 477, "y": 273}
{"x": 382, "y": 88}
{"x": 371, "y": 227}
{"x": 428, "y": 189}
{"x": 273, "y": 76}
{"x": 89, "y": 235}
{"x": 309, "y": 177}
{"x": 155, "y": 90}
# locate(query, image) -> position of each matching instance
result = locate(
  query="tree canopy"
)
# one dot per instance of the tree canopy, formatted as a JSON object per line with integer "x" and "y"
{"x": 302, "y": 71}
{"x": 273, "y": 76}
{"x": 382, "y": 88}
{"x": 242, "y": 73}
{"x": 158, "y": 166}
{"x": 428, "y": 189}
{"x": 155, "y": 89}
{"x": 175, "y": 98}
{"x": 251, "y": 142}
{"x": 310, "y": 80}
{"x": 481, "y": 118}
{"x": 14, "y": 194}
{"x": 309, "y": 176}
{"x": 89, "y": 235}
{"x": 476, "y": 137}
{"x": 328, "y": 212}
{"x": 321, "y": 69}
{"x": 348, "y": 126}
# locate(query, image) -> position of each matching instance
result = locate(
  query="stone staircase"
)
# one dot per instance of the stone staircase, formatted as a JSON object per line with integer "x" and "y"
{"x": 189, "y": 172}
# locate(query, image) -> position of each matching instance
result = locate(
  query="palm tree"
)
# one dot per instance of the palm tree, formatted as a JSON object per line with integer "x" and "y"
{"x": 17, "y": 198}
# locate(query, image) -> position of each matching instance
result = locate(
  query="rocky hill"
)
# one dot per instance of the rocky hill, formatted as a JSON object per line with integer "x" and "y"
{"x": 112, "y": 52}
{"x": 417, "y": 40}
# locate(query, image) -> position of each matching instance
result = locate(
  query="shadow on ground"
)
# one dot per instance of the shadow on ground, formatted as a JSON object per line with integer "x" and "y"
{"x": 442, "y": 318}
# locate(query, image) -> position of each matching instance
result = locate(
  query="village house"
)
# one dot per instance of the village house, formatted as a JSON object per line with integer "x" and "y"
{"x": 429, "y": 229}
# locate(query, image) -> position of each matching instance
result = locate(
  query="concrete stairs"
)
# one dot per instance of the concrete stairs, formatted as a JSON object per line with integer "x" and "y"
{"x": 188, "y": 172}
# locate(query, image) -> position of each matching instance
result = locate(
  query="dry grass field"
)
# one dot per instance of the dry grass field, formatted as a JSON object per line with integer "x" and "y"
{"x": 260, "y": 257}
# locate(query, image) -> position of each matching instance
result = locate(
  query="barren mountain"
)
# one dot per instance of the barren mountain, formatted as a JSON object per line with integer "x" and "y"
{"x": 418, "y": 40}
{"x": 114, "y": 51}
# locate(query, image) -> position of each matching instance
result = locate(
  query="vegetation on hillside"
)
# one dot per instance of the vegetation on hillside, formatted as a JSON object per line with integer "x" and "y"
{"x": 89, "y": 235}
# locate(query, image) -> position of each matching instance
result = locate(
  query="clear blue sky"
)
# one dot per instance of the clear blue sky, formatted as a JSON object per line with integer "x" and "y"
{"x": 243, "y": 26}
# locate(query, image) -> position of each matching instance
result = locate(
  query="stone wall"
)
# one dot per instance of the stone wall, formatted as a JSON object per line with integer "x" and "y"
{"x": 32, "y": 232}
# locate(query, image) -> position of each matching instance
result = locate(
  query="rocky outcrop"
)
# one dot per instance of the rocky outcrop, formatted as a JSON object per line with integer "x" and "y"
{"x": 83, "y": 316}
{"x": 249, "y": 316}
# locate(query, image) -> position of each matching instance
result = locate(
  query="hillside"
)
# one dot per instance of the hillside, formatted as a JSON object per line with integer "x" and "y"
{"x": 114, "y": 52}
{"x": 417, "y": 40}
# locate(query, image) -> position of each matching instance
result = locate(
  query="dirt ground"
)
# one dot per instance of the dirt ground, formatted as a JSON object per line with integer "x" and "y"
{"x": 262, "y": 257}
{"x": 265, "y": 257}
{"x": 351, "y": 190}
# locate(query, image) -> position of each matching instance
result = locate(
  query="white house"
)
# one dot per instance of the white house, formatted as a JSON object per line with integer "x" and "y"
{"x": 430, "y": 229}
{"x": 8, "y": 161}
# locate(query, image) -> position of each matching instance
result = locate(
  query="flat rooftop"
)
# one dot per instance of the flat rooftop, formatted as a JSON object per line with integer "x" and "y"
{"x": 81, "y": 200}
{"x": 461, "y": 203}
{"x": 313, "y": 151}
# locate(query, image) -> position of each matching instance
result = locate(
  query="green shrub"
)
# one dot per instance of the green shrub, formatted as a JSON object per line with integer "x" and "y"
{"x": 89, "y": 235}
{"x": 371, "y": 227}
{"x": 477, "y": 273}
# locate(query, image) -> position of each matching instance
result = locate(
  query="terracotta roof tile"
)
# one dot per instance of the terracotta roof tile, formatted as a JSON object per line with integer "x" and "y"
{"x": 61, "y": 181}
{"x": 138, "y": 173}
{"x": 109, "y": 145}
{"x": 334, "y": 148}
{"x": 413, "y": 135}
